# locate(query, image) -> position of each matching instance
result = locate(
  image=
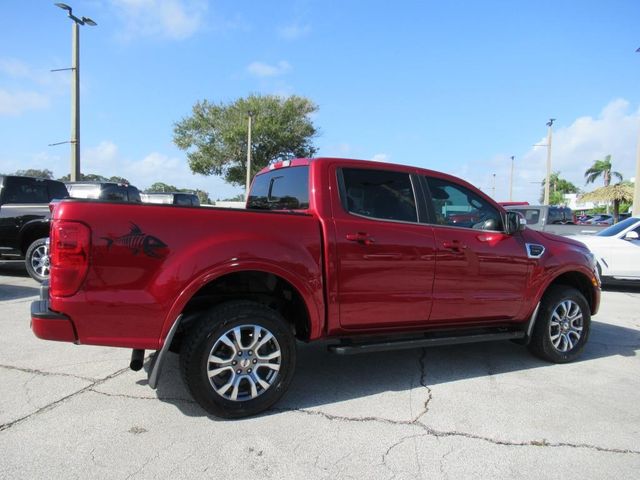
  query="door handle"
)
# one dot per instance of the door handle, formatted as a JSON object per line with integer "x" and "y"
{"x": 454, "y": 245}
{"x": 360, "y": 237}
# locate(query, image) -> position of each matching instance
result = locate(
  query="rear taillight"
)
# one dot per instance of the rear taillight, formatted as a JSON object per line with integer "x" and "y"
{"x": 69, "y": 252}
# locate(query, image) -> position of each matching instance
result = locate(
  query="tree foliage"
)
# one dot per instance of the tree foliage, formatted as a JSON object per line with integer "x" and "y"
{"x": 616, "y": 194}
{"x": 160, "y": 187}
{"x": 601, "y": 168}
{"x": 34, "y": 172}
{"x": 215, "y": 135}
{"x": 94, "y": 177}
{"x": 558, "y": 188}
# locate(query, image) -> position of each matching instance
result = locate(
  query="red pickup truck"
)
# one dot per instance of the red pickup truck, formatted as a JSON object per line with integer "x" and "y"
{"x": 372, "y": 255}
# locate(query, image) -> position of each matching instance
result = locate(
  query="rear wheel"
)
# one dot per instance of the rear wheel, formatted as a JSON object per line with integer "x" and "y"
{"x": 239, "y": 359}
{"x": 562, "y": 326}
{"x": 37, "y": 260}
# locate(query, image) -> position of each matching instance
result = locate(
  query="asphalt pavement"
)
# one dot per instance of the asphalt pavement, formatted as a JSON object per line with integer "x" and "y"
{"x": 472, "y": 411}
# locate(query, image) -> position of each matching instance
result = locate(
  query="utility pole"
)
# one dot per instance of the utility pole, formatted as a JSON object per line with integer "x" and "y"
{"x": 493, "y": 188}
{"x": 636, "y": 189}
{"x": 548, "y": 177}
{"x": 246, "y": 195}
{"x": 511, "y": 180}
{"x": 75, "y": 88}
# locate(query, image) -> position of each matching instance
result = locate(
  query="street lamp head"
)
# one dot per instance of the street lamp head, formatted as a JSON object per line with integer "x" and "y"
{"x": 638, "y": 50}
{"x": 63, "y": 6}
{"x": 550, "y": 122}
{"x": 88, "y": 21}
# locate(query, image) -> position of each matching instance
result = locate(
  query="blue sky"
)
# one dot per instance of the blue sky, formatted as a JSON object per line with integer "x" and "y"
{"x": 455, "y": 86}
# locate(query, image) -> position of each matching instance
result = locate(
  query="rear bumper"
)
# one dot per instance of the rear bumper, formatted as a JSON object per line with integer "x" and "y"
{"x": 49, "y": 325}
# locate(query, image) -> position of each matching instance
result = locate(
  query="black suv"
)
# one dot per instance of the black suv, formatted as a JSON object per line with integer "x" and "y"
{"x": 24, "y": 220}
{"x": 110, "y": 191}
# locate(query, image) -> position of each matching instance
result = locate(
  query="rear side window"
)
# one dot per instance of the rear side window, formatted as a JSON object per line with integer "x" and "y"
{"x": 281, "y": 189}
{"x": 381, "y": 194}
{"x": 25, "y": 190}
{"x": 57, "y": 190}
{"x": 114, "y": 193}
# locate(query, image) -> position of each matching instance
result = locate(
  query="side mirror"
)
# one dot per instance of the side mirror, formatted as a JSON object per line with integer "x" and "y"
{"x": 631, "y": 236}
{"x": 515, "y": 222}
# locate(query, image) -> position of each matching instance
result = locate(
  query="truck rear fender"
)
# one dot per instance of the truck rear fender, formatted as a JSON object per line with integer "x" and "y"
{"x": 32, "y": 231}
{"x": 300, "y": 303}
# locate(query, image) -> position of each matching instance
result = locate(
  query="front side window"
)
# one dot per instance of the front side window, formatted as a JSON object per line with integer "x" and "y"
{"x": 380, "y": 194}
{"x": 457, "y": 206}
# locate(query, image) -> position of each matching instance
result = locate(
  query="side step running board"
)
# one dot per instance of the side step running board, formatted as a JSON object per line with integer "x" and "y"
{"x": 367, "y": 347}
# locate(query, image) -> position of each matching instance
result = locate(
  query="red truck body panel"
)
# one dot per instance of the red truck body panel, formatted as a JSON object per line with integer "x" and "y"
{"x": 355, "y": 275}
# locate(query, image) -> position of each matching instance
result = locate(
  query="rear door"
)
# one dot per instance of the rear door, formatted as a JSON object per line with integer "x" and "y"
{"x": 481, "y": 272}
{"x": 385, "y": 254}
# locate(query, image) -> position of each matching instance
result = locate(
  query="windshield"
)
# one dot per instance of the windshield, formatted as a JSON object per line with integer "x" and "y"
{"x": 617, "y": 228}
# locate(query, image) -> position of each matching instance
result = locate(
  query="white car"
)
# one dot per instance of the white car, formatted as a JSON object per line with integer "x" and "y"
{"x": 617, "y": 250}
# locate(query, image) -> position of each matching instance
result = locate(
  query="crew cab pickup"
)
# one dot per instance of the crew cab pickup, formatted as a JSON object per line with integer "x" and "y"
{"x": 24, "y": 220}
{"x": 368, "y": 254}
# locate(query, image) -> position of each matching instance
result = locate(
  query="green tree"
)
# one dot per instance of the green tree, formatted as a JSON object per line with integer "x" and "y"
{"x": 215, "y": 135}
{"x": 86, "y": 177}
{"x": 33, "y": 172}
{"x": 616, "y": 194}
{"x": 203, "y": 197}
{"x": 116, "y": 179}
{"x": 559, "y": 187}
{"x": 601, "y": 168}
{"x": 159, "y": 187}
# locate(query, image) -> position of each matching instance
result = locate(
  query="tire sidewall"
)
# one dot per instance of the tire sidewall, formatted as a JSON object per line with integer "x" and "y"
{"x": 204, "y": 337}
{"x": 28, "y": 260}
{"x": 541, "y": 340}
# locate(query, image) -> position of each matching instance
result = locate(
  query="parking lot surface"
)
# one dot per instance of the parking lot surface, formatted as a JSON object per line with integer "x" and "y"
{"x": 473, "y": 411}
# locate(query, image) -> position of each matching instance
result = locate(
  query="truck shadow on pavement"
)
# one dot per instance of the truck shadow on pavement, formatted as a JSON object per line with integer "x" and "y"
{"x": 10, "y": 291}
{"x": 323, "y": 378}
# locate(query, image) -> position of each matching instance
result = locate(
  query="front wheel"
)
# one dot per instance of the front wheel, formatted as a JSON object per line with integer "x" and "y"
{"x": 562, "y": 326}
{"x": 37, "y": 260}
{"x": 238, "y": 359}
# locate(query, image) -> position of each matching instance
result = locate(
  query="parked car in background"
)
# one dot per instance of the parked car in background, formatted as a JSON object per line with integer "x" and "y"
{"x": 24, "y": 220}
{"x": 617, "y": 250}
{"x": 553, "y": 219}
{"x": 111, "y": 191}
{"x": 600, "y": 219}
{"x": 171, "y": 198}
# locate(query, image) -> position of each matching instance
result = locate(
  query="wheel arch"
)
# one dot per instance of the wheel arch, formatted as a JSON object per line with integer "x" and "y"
{"x": 32, "y": 231}
{"x": 276, "y": 289}
{"x": 579, "y": 281}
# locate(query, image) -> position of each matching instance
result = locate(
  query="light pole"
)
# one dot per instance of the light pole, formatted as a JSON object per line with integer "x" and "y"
{"x": 246, "y": 195}
{"x": 493, "y": 188}
{"x": 75, "y": 88}
{"x": 636, "y": 189}
{"x": 548, "y": 177}
{"x": 511, "y": 180}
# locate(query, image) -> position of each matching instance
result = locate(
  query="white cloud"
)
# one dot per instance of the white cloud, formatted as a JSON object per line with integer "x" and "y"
{"x": 260, "y": 69}
{"x": 172, "y": 19}
{"x": 17, "y": 102}
{"x": 294, "y": 31}
{"x": 574, "y": 148}
{"x": 100, "y": 158}
{"x": 381, "y": 157}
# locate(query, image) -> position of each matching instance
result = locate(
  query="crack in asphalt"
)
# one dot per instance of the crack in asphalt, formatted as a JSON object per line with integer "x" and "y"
{"x": 46, "y": 374}
{"x": 52, "y": 405}
{"x": 423, "y": 382}
{"x": 454, "y": 433}
{"x": 139, "y": 397}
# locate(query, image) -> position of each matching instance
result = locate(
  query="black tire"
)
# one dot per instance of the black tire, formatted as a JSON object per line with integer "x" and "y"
{"x": 562, "y": 326}
{"x": 257, "y": 383}
{"x": 37, "y": 260}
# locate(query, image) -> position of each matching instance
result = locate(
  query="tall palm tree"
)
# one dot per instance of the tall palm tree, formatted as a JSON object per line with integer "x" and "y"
{"x": 601, "y": 167}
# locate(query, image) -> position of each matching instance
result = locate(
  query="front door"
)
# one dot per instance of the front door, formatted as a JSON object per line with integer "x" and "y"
{"x": 481, "y": 272}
